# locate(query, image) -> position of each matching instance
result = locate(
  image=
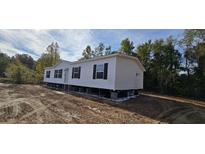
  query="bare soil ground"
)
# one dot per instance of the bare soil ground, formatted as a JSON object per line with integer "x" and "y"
{"x": 168, "y": 109}
{"x": 36, "y": 104}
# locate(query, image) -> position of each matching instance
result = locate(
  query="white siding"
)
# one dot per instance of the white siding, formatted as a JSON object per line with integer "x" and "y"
{"x": 86, "y": 75}
{"x": 121, "y": 74}
{"x": 63, "y": 65}
{"x": 126, "y": 77}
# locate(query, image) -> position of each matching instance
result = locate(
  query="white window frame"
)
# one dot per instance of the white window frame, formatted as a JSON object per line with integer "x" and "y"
{"x": 75, "y": 71}
{"x": 57, "y": 72}
{"x": 48, "y": 72}
{"x": 99, "y": 71}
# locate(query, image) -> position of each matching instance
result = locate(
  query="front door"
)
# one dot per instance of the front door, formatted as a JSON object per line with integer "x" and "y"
{"x": 66, "y": 71}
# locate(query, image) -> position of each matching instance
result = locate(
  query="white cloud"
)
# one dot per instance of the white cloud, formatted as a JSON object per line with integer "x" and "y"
{"x": 34, "y": 42}
{"x": 72, "y": 41}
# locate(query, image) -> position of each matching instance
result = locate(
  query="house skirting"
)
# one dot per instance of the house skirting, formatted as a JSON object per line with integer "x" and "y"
{"x": 106, "y": 93}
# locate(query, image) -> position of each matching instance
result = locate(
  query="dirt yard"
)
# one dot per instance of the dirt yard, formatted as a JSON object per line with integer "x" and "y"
{"x": 36, "y": 104}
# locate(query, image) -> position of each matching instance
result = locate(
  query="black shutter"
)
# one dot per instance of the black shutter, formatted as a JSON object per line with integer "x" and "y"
{"x": 105, "y": 70}
{"x": 94, "y": 71}
{"x": 72, "y": 71}
{"x": 55, "y": 73}
{"x": 79, "y": 72}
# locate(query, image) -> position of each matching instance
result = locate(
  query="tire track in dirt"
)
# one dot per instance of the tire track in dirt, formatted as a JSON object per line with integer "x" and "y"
{"x": 35, "y": 104}
{"x": 38, "y": 109}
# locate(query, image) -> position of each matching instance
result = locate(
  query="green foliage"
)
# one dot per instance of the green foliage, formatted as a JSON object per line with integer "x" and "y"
{"x": 21, "y": 68}
{"x": 144, "y": 53}
{"x": 162, "y": 63}
{"x": 193, "y": 43}
{"x": 100, "y": 50}
{"x": 4, "y": 61}
{"x": 166, "y": 71}
{"x": 25, "y": 60}
{"x": 20, "y": 73}
{"x": 127, "y": 46}
{"x": 87, "y": 53}
{"x": 50, "y": 58}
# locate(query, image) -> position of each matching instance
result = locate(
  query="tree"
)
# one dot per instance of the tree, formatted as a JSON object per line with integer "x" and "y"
{"x": 144, "y": 53}
{"x": 162, "y": 64}
{"x": 20, "y": 73}
{"x": 200, "y": 58}
{"x": 127, "y": 46}
{"x": 87, "y": 53}
{"x": 172, "y": 63}
{"x": 192, "y": 38}
{"x": 4, "y": 61}
{"x": 47, "y": 59}
{"x": 193, "y": 43}
{"x": 108, "y": 50}
{"x": 52, "y": 53}
{"x": 99, "y": 50}
{"x": 25, "y": 59}
{"x": 166, "y": 63}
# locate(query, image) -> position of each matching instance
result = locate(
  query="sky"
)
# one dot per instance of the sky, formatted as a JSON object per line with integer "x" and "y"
{"x": 72, "y": 41}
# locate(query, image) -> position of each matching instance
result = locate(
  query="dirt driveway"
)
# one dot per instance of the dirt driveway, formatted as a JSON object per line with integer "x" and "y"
{"x": 36, "y": 104}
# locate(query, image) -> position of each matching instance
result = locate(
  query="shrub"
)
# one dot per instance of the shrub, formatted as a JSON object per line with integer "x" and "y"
{"x": 20, "y": 74}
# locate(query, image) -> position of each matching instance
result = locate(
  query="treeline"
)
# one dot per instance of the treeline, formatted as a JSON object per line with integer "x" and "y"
{"x": 22, "y": 68}
{"x": 173, "y": 66}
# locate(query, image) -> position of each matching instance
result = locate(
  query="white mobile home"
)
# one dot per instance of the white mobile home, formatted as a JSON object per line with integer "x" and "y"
{"x": 113, "y": 75}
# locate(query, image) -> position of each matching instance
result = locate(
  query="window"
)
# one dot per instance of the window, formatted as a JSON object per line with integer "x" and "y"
{"x": 100, "y": 71}
{"x": 58, "y": 73}
{"x": 48, "y": 74}
{"x": 76, "y": 72}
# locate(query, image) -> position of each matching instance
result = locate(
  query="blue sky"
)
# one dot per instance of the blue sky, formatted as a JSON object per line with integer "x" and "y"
{"x": 73, "y": 41}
